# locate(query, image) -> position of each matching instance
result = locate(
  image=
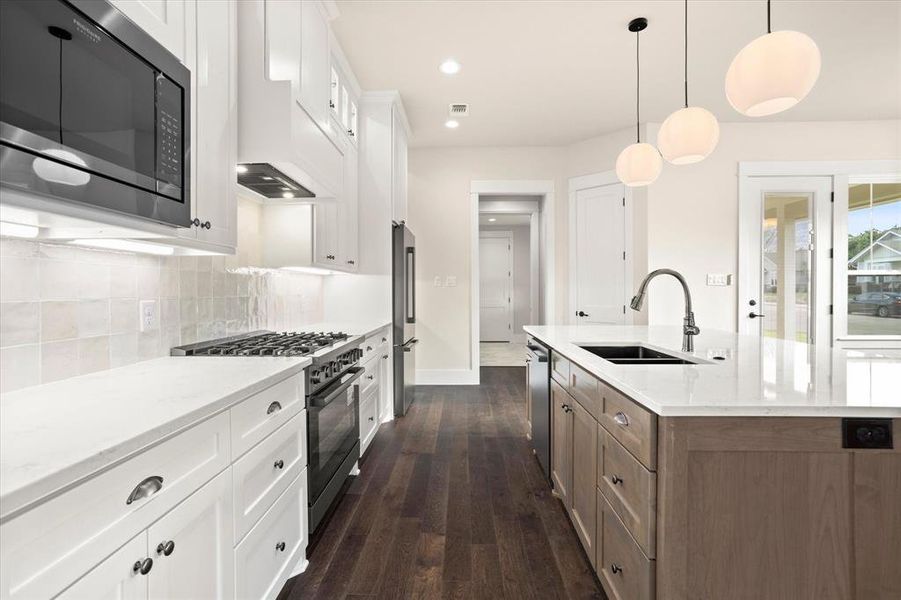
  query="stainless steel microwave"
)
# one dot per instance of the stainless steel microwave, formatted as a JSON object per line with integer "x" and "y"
{"x": 93, "y": 110}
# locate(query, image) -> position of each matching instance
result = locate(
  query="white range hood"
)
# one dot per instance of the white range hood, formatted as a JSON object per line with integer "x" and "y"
{"x": 274, "y": 127}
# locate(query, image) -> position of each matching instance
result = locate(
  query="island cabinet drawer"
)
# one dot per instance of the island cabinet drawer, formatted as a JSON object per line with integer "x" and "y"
{"x": 630, "y": 489}
{"x": 625, "y": 572}
{"x": 585, "y": 387}
{"x": 264, "y": 412}
{"x": 267, "y": 470}
{"x": 370, "y": 379}
{"x": 374, "y": 345}
{"x": 369, "y": 418}
{"x": 632, "y": 425}
{"x": 559, "y": 369}
{"x": 47, "y": 548}
{"x": 266, "y": 556}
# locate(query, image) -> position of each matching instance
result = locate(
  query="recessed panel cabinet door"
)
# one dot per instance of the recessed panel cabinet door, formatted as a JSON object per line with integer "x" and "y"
{"x": 877, "y": 524}
{"x": 348, "y": 214}
{"x": 191, "y": 546}
{"x": 562, "y": 443}
{"x": 315, "y": 70}
{"x": 165, "y": 20}
{"x": 215, "y": 190}
{"x": 585, "y": 469}
{"x": 115, "y": 578}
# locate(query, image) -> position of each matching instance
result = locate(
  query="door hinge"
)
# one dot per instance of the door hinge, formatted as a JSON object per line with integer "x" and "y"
{"x": 831, "y": 196}
{"x": 624, "y": 200}
{"x": 624, "y": 309}
{"x": 830, "y": 309}
{"x": 624, "y": 255}
{"x": 508, "y": 300}
{"x": 830, "y": 253}
{"x": 509, "y": 247}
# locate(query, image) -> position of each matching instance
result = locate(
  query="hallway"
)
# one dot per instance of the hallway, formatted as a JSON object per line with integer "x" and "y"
{"x": 450, "y": 503}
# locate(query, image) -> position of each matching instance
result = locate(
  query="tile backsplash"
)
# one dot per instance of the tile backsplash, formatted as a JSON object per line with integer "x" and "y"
{"x": 66, "y": 311}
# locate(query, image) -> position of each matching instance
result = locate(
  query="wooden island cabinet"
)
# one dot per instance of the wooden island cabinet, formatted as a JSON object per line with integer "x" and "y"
{"x": 721, "y": 508}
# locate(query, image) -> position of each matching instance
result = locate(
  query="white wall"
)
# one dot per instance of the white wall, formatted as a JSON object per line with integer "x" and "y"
{"x": 686, "y": 220}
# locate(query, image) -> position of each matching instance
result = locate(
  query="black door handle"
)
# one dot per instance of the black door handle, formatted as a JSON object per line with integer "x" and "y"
{"x": 582, "y": 313}
{"x": 753, "y": 315}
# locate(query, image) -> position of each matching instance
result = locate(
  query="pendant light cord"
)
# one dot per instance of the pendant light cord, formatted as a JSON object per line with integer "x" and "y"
{"x": 637, "y": 87}
{"x": 686, "y": 53}
{"x": 769, "y": 29}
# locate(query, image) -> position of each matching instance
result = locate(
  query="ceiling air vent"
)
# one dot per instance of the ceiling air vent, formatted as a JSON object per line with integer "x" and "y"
{"x": 458, "y": 110}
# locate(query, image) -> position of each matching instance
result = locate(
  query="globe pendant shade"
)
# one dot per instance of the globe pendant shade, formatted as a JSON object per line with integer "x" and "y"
{"x": 638, "y": 165}
{"x": 688, "y": 135}
{"x": 772, "y": 73}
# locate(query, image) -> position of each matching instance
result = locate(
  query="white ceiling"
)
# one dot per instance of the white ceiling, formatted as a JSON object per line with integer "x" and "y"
{"x": 506, "y": 220}
{"x": 555, "y": 72}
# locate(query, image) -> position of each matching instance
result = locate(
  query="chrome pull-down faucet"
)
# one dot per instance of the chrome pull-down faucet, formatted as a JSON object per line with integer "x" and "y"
{"x": 689, "y": 329}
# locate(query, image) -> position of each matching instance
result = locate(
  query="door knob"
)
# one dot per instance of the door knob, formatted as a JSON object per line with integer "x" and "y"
{"x": 165, "y": 548}
{"x": 143, "y": 566}
{"x": 754, "y": 315}
{"x": 581, "y": 313}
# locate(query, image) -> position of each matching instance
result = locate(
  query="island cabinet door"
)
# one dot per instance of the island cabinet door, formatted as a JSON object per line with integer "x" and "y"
{"x": 877, "y": 524}
{"x": 117, "y": 576}
{"x": 561, "y": 443}
{"x": 191, "y": 546}
{"x": 585, "y": 471}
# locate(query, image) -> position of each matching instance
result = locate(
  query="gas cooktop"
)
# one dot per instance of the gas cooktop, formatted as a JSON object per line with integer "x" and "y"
{"x": 266, "y": 343}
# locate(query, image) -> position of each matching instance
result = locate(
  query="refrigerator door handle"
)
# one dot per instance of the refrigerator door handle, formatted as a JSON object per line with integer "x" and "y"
{"x": 407, "y": 346}
{"x": 409, "y": 281}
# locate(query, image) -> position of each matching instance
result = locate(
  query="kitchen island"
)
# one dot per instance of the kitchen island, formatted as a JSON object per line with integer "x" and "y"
{"x": 748, "y": 468}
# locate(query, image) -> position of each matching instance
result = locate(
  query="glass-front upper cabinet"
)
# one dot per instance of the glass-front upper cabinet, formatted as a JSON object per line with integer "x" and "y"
{"x": 874, "y": 258}
{"x": 343, "y": 103}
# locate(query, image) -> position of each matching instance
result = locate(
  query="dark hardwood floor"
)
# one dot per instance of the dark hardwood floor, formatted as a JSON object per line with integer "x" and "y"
{"x": 450, "y": 503}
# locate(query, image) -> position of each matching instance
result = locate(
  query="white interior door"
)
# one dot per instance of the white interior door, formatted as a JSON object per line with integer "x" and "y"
{"x": 785, "y": 270}
{"x": 495, "y": 286}
{"x": 598, "y": 256}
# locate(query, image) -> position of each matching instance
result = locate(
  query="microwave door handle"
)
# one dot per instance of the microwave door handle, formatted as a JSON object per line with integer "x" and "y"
{"x": 323, "y": 402}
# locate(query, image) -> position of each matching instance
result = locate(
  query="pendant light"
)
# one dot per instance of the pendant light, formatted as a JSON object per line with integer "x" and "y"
{"x": 773, "y": 72}
{"x": 638, "y": 164}
{"x": 691, "y": 133}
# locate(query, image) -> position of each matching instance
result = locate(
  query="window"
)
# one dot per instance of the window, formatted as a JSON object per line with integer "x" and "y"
{"x": 874, "y": 258}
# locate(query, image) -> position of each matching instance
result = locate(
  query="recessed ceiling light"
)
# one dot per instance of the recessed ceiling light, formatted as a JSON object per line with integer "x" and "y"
{"x": 450, "y": 67}
{"x": 241, "y": 169}
{"x": 492, "y": 220}
{"x": 451, "y": 124}
{"x": 287, "y": 195}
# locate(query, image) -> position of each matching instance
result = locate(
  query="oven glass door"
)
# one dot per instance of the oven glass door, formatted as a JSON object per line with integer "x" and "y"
{"x": 76, "y": 96}
{"x": 333, "y": 428}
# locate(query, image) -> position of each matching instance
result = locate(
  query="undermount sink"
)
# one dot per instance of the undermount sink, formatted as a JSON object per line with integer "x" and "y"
{"x": 636, "y": 355}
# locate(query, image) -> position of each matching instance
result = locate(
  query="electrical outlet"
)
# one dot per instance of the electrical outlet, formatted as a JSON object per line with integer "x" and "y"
{"x": 439, "y": 282}
{"x": 148, "y": 315}
{"x": 719, "y": 279}
{"x": 451, "y": 281}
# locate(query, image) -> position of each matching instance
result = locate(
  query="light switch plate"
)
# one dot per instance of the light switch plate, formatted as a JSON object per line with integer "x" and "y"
{"x": 451, "y": 281}
{"x": 439, "y": 282}
{"x": 719, "y": 279}
{"x": 148, "y": 315}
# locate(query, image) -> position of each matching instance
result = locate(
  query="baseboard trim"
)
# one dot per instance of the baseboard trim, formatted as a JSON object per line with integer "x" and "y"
{"x": 447, "y": 377}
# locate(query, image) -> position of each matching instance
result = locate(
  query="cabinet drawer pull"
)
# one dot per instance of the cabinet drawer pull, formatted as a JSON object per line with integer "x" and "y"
{"x": 145, "y": 489}
{"x": 616, "y": 479}
{"x": 385, "y": 356}
{"x": 368, "y": 348}
{"x": 621, "y": 419}
{"x": 384, "y": 339}
{"x": 143, "y": 566}
{"x": 166, "y": 548}
{"x": 274, "y": 407}
{"x": 370, "y": 377}
{"x": 616, "y": 568}
{"x": 372, "y": 418}
{"x": 280, "y": 546}
{"x": 279, "y": 464}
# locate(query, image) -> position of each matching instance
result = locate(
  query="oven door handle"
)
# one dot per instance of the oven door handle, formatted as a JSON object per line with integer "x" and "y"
{"x": 322, "y": 402}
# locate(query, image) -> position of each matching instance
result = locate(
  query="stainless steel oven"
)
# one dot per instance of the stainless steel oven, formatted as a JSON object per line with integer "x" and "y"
{"x": 333, "y": 439}
{"x": 93, "y": 110}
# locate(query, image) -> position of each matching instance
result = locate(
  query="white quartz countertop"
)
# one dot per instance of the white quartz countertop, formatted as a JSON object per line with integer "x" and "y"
{"x": 56, "y": 434}
{"x": 759, "y": 377}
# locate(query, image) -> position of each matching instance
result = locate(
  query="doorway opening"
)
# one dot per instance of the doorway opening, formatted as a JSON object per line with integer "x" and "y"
{"x": 508, "y": 275}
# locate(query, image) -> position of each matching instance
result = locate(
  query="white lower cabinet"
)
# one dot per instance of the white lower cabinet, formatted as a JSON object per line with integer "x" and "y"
{"x": 369, "y": 416}
{"x": 275, "y": 546}
{"x": 186, "y": 554}
{"x": 192, "y": 545}
{"x": 115, "y": 578}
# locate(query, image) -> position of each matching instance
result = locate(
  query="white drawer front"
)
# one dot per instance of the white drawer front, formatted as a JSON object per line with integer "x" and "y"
{"x": 264, "y": 559}
{"x": 49, "y": 547}
{"x": 261, "y": 414}
{"x": 370, "y": 378}
{"x": 369, "y": 418}
{"x": 267, "y": 470}
{"x": 376, "y": 344}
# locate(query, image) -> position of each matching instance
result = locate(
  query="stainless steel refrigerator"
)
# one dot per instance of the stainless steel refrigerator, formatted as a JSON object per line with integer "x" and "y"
{"x": 403, "y": 259}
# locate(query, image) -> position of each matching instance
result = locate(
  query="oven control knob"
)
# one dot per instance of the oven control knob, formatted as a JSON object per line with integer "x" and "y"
{"x": 314, "y": 377}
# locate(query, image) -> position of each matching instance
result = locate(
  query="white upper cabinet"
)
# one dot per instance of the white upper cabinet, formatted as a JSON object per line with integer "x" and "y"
{"x": 399, "y": 160}
{"x": 348, "y": 214}
{"x": 215, "y": 119}
{"x": 168, "y": 21}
